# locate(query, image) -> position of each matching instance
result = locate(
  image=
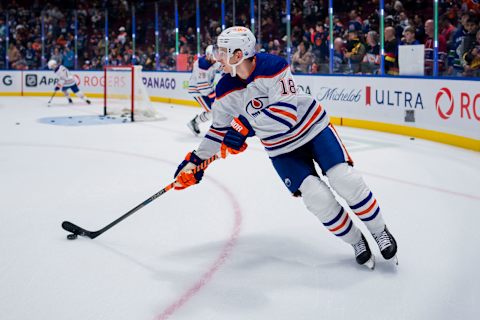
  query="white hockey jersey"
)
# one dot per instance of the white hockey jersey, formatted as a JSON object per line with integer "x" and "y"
{"x": 283, "y": 119}
{"x": 65, "y": 78}
{"x": 203, "y": 75}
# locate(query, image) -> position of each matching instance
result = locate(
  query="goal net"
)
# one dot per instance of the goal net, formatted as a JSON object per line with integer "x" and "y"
{"x": 125, "y": 95}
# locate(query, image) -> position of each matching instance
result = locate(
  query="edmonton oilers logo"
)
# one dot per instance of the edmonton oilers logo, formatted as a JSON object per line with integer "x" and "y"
{"x": 255, "y": 105}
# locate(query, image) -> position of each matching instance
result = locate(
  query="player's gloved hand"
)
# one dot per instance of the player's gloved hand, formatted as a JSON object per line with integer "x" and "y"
{"x": 184, "y": 176}
{"x": 234, "y": 140}
{"x": 224, "y": 150}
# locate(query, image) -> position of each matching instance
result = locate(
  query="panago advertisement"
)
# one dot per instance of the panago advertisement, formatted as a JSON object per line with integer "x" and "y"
{"x": 442, "y": 110}
{"x": 449, "y": 106}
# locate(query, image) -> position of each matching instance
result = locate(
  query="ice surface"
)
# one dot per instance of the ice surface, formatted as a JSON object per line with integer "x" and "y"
{"x": 237, "y": 246}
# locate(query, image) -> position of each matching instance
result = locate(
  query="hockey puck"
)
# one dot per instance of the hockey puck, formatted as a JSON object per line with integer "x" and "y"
{"x": 17, "y": 123}
{"x": 412, "y": 138}
{"x": 72, "y": 236}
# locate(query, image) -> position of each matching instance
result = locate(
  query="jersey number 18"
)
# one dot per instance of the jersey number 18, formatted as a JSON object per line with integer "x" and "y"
{"x": 288, "y": 86}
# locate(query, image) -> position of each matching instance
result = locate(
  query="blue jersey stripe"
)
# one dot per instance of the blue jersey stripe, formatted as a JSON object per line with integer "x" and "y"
{"x": 298, "y": 137}
{"x": 213, "y": 138}
{"x": 268, "y": 113}
{"x": 372, "y": 216}
{"x": 283, "y": 104}
{"x": 346, "y": 230}
{"x": 295, "y": 126}
{"x": 337, "y": 217}
{"x": 363, "y": 202}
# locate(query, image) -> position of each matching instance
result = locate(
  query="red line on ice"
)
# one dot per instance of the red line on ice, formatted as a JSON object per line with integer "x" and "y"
{"x": 207, "y": 276}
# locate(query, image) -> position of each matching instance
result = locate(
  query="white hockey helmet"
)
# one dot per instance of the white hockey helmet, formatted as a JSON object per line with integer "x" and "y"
{"x": 232, "y": 39}
{"x": 52, "y": 64}
{"x": 209, "y": 50}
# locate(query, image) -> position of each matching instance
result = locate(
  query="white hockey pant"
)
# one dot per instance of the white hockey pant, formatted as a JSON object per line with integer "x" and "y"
{"x": 319, "y": 200}
{"x": 349, "y": 185}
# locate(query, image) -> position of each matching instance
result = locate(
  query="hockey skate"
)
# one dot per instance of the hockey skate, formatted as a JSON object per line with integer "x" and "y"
{"x": 363, "y": 255}
{"x": 193, "y": 126}
{"x": 88, "y": 101}
{"x": 387, "y": 245}
{"x": 70, "y": 100}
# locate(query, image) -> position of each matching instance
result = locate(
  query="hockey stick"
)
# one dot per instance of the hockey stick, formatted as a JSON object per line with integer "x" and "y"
{"x": 76, "y": 230}
{"x": 51, "y": 98}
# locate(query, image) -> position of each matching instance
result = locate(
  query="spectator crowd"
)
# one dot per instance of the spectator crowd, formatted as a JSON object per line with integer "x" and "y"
{"x": 356, "y": 38}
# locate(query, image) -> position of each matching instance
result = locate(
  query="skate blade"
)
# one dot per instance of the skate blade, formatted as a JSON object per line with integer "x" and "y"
{"x": 370, "y": 264}
{"x": 394, "y": 260}
{"x": 189, "y": 125}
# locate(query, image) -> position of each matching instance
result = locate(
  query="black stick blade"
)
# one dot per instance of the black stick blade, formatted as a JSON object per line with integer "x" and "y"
{"x": 70, "y": 227}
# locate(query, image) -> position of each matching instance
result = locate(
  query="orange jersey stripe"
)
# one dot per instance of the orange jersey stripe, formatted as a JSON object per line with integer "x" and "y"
{"x": 350, "y": 160}
{"x": 344, "y": 222}
{"x": 202, "y": 103}
{"x": 285, "y": 113}
{"x": 222, "y": 134}
{"x": 361, "y": 213}
{"x": 313, "y": 118}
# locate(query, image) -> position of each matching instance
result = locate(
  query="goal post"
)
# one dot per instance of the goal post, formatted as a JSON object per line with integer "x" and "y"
{"x": 124, "y": 94}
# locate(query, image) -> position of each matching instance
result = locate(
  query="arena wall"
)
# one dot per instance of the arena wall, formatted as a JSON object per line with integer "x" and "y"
{"x": 442, "y": 110}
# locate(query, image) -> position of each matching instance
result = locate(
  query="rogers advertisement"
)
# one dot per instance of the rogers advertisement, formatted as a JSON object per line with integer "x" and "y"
{"x": 158, "y": 84}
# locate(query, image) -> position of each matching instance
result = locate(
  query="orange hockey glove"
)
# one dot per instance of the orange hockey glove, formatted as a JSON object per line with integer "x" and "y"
{"x": 184, "y": 176}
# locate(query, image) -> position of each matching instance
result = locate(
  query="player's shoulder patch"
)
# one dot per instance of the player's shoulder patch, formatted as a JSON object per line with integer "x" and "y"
{"x": 267, "y": 66}
{"x": 203, "y": 63}
{"x": 228, "y": 84}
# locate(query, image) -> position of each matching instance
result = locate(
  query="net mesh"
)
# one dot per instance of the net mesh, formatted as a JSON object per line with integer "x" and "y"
{"x": 120, "y": 99}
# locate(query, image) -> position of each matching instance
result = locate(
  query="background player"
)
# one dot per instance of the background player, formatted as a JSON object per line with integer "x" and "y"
{"x": 258, "y": 96}
{"x": 201, "y": 86}
{"x": 66, "y": 81}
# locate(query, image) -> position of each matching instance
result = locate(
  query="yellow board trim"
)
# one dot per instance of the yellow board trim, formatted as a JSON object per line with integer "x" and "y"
{"x": 10, "y": 94}
{"x": 57, "y": 94}
{"x": 189, "y": 103}
{"x": 446, "y": 138}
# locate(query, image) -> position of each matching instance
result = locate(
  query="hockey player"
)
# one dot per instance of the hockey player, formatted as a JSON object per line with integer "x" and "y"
{"x": 201, "y": 86}
{"x": 66, "y": 81}
{"x": 258, "y": 96}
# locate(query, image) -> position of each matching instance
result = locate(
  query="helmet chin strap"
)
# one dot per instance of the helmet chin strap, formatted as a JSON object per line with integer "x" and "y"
{"x": 233, "y": 73}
